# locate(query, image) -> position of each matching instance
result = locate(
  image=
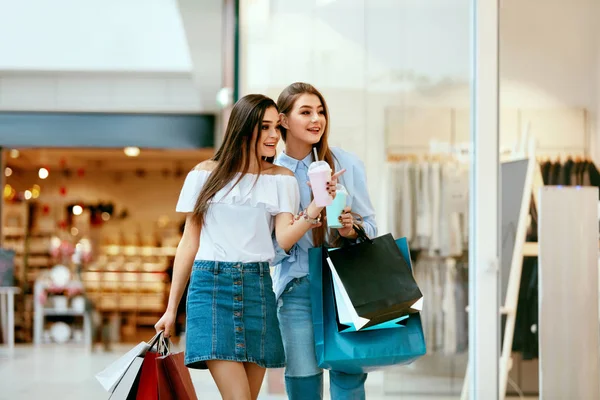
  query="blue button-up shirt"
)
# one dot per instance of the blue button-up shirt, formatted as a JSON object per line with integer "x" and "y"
{"x": 294, "y": 264}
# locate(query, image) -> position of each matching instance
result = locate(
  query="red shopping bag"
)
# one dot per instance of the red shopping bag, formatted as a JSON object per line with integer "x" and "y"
{"x": 148, "y": 385}
{"x": 174, "y": 379}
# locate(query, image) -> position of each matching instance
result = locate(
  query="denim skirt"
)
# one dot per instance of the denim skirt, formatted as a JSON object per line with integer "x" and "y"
{"x": 232, "y": 315}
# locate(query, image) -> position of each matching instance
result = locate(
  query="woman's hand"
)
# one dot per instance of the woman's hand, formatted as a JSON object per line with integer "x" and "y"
{"x": 348, "y": 221}
{"x": 166, "y": 323}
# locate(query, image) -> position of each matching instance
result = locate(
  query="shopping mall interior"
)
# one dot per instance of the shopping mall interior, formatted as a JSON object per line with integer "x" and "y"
{"x": 106, "y": 106}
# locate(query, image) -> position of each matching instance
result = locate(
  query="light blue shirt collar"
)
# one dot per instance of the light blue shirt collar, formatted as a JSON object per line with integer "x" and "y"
{"x": 291, "y": 163}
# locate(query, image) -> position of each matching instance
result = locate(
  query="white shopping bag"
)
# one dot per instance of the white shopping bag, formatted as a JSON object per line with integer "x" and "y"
{"x": 111, "y": 375}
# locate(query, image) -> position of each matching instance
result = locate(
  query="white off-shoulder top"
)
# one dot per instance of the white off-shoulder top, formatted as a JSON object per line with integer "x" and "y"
{"x": 240, "y": 220}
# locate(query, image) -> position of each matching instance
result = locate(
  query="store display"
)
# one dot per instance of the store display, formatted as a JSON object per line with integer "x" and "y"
{"x": 60, "y": 332}
{"x": 60, "y": 275}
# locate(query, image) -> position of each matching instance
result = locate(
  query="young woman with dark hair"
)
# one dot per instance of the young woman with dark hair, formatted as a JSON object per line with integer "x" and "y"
{"x": 233, "y": 203}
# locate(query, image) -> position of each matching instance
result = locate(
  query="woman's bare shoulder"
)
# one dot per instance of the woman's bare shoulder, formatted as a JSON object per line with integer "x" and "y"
{"x": 207, "y": 165}
{"x": 278, "y": 170}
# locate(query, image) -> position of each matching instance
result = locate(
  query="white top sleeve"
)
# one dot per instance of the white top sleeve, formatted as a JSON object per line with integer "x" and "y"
{"x": 288, "y": 194}
{"x": 191, "y": 190}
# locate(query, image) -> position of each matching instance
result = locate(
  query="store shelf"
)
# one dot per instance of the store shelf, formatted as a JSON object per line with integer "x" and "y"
{"x": 131, "y": 282}
{"x": 62, "y": 313}
{"x": 115, "y": 250}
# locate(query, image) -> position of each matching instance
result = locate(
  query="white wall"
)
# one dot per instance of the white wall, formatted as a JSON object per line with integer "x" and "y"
{"x": 110, "y": 55}
{"x": 203, "y": 26}
{"x": 101, "y": 92}
{"x": 368, "y": 57}
{"x": 92, "y": 35}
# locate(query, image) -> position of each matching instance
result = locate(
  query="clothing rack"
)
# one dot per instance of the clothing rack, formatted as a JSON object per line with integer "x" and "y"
{"x": 526, "y": 147}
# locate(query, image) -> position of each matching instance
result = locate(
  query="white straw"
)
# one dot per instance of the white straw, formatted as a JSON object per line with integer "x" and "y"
{"x": 315, "y": 153}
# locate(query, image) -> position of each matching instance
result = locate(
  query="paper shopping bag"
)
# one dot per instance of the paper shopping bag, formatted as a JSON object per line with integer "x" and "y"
{"x": 128, "y": 385}
{"x": 362, "y": 351}
{"x": 174, "y": 379}
{"x": 111, "y": 375}
{"x": 148, "y": 387}
{"x": 374, "y": 283}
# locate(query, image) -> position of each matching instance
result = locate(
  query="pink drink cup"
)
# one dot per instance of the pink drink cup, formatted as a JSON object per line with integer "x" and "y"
{"x": 319, "y": 174}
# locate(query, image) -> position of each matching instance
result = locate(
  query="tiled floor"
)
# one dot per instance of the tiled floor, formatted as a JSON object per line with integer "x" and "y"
{"x": 67, "y": 373}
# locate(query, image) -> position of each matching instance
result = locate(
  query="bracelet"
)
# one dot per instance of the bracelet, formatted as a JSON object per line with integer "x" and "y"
{"x": 304, "y": 214}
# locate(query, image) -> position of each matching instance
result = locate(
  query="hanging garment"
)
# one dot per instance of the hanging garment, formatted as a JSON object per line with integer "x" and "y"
{"x": 461, "y": 291}
{"x": 435, "y": 182}
{"x": 424, "y": 223}
{"x": 452, "y": 205}
{"x": 525, "y": 338}
{"x": 449, "y": 308}
{"x": 564, "y": 176}
{"x": 407, "y": 220}
{"x": 545, "y": 167}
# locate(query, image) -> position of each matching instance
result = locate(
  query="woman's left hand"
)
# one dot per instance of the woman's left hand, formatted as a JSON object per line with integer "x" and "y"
{"x": 346, "y": 219}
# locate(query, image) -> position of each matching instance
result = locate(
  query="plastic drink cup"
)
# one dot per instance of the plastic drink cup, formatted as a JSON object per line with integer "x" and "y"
{"x": 335, "y": 209}
{"x": 319, "y": 173}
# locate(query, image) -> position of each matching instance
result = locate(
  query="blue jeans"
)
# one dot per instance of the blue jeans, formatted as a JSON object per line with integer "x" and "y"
{"x": 303, "y": 377}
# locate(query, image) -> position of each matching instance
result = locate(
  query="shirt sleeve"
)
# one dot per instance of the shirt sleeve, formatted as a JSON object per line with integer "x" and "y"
{"x": 361, "y": 202}
{"x": 288, "y": 194}
{"x": 191, "y": 190}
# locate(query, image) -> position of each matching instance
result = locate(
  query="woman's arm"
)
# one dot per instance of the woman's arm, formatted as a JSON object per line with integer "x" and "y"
{"x": 182, "y": 266}
{"x": 288, "y": 230}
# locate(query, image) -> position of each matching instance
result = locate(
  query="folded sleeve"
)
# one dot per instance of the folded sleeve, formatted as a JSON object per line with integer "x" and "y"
{"x": 191, "y": 190}
{"x": 281, "y": 255}
{"x": 288, "y": 194}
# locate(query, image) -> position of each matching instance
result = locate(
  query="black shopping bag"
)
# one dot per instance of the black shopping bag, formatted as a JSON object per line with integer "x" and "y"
{"x": 374, "y": 281}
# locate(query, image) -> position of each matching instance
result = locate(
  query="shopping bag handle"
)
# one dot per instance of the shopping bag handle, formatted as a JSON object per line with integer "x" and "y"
{"x": 360, "y": 231}
{"x": 362, "y": 235}
{"x": 164, "y": 346}
{"x": 155, "y": 339}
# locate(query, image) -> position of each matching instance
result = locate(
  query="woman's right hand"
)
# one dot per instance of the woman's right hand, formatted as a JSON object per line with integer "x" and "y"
{"x": 166, "y": 323}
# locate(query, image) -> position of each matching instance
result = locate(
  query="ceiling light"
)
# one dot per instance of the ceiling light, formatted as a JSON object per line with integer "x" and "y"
{"x": 132, "y": 151}
{"x": 77, "y": 210}
{"x": 43, "y": 173}
{"x": 8, "y": 171}
{"x": 14, "y": 153}
{"x": 27, "y": 195}
{"x": 74, "y": 231}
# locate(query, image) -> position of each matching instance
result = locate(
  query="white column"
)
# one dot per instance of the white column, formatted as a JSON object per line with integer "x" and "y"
{"x": 568, "y": 293}
{"x": 484, "y": 207}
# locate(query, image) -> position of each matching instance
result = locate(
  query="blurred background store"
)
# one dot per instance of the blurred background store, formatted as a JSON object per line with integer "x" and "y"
{"x": 106, "y": 105}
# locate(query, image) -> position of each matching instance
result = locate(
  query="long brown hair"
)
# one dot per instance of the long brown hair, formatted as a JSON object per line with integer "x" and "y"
{"x": 285, "y": 103}
{"x": 246, "y": 116}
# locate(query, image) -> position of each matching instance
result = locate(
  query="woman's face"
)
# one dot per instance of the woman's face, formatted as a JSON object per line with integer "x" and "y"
{"x": 307, "y": 121}
{"x": 268, "y": 133}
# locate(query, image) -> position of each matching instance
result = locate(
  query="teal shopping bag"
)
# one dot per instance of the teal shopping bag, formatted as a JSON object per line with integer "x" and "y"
{"x": 363, "y": 351}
